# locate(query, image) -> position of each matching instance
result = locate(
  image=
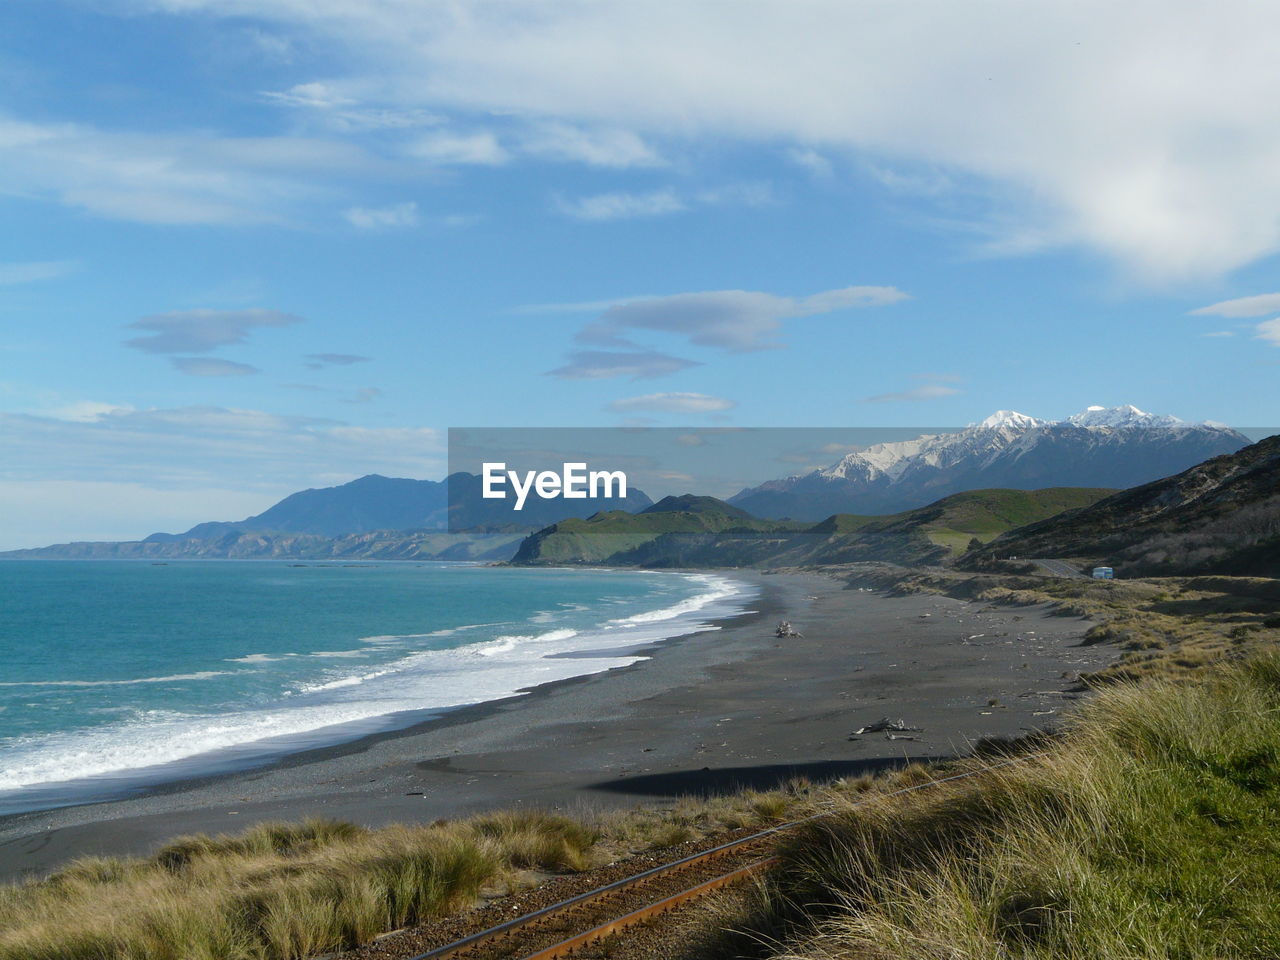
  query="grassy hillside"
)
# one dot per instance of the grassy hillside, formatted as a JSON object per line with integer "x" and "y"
{"x": 702, "y": 531}
{"x": 610, "y": 537}
{"x": 1222, "y": 516}
{"x": 1150, "y": 830}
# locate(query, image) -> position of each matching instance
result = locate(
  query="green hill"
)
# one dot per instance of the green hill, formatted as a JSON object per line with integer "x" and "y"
{"x": 703, "y": 531}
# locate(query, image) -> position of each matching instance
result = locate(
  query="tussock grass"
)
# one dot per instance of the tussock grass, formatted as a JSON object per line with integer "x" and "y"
{"x": 291, "y": 891}
{"x": 1150, "y": 829}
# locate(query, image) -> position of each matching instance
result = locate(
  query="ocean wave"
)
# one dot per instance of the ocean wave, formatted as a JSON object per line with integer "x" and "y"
{"x": 721, "y": 589}
{"x": 505, "y": 644}
{"x": 173, "y": 678}
{"x": 420, "y": 680}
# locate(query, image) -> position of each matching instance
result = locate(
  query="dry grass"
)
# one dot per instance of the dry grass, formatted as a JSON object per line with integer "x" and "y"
{"x": 1151, "y": 829}
{"x": 281, "y": 891}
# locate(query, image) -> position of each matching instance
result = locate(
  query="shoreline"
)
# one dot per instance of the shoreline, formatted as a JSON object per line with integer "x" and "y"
{"x": 267, "y": 753}
{"x": 705, "y": 712}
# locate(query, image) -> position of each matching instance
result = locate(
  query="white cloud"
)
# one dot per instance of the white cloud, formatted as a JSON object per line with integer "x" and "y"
{"x": 382, "y": 218}
{"x": 1269, "y": 330}
{"x": 605, "y": 364}
{"x": 738, "y": 195}
{"x": 1139, "y": 130}
{"x": 480, "y": 149}
{"x": 202, "y": 331}
{"x": 338, "y": 107}
{"x": 314, "y": 96}
{"x": 617, "y": 149}
{"x": 673, "y": 403}
{"x": 659, "y": 203}
{"x": 212, "y": 367}
{"x": 728, "y": 319}
{"x": 621, "y": 206}
{"x": 317, "y": 361}
{"x": 1256, "y": 306}
{"x": 84, "y": 411}
{"x": 926, "y": 391}
{"x": 171, "y": 179}
{"x": 811, "y": 160}
{"x": 34, "y": 271}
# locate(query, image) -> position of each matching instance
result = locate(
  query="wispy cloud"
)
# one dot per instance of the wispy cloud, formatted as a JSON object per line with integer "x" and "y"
{"x": 184, "y": 178}
{"x": 1171, "y": 169}
{"x": 383, "y": 218}
{"x": 926, "y": 391}
{"x": 663, "y": 202}
{"x": 448, "y": 149}
{"x": 212, "y": 367}
{"x": 605, "y": 364}
{"x": 1255, "y": 306}
{"x": 621, "y": 206}
{"x": 364, "y": 395}
{"x": 203, "y": 331}
{"x": 672, "y": 403}
{"x": 317, "y": 361}
{"x": 734, "y": 320}
{"x": 340, "y": 109}
{"x": 1269, "y": 330}
{"x": 596, "y": 147}
{"x": 811, "y": 160}
{"x": 34, "y": 271}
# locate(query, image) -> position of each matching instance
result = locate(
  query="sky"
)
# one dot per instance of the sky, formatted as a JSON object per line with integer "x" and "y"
{"x": 254, "y": 246}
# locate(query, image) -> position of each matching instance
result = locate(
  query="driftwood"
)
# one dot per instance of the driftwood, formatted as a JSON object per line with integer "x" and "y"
{"x": 885, "y": 725}
{"x": 786, "y": 630}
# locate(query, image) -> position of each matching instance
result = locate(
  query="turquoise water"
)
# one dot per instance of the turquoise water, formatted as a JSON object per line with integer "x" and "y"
{"x": 117, "y": 673}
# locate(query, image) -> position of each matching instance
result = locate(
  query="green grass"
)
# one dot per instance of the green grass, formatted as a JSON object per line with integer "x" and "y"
{"x": 1150, "y": 830}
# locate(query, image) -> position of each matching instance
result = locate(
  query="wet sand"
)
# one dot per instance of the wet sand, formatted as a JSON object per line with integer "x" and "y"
{"x": 706, "y": 713}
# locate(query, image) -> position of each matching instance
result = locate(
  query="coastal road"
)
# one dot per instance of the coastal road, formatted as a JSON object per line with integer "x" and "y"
{"x": 1058, "y": 568}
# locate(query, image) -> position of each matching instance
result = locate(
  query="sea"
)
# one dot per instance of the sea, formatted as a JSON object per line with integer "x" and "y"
{"x": 116, "y": 676}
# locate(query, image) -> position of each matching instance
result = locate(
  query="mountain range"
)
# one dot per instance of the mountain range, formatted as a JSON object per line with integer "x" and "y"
{"x": 373, "y": 517}
{"x": 906, "y": 501}
{"x": 1117, "y": 448}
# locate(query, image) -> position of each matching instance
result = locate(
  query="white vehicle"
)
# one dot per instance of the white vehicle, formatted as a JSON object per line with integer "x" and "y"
{"x": 1103, "y": 573}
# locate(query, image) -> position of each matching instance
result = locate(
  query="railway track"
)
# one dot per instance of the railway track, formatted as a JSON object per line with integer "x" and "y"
{"x": 566, "y": 927}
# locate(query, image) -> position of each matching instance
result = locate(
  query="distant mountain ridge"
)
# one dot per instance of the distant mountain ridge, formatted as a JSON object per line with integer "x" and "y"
{"x": 703, "y": 531}
{"x": 1219, "y": 517}
{"x": 373, "y": 516}
{"x": 372, "y": 502}
{"x": 1117, "y": 448}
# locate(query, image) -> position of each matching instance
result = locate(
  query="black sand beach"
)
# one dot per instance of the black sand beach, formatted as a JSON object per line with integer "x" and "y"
{"x": 706, "y": 713}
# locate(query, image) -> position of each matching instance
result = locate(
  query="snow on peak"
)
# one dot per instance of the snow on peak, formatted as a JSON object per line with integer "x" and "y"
{"x": 1009, "y": 418}
{"x": 1126, "y": 415}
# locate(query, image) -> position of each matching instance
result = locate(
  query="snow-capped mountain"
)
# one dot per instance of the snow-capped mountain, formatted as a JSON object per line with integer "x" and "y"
{"x": 1099, "y": 447}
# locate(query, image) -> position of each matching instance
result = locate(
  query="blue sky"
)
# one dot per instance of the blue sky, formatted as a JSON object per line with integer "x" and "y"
{"x": 252, "y": 246}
